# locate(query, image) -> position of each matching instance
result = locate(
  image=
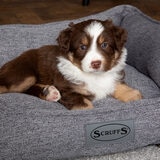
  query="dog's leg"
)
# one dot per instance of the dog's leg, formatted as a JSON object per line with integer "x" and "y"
{"x": 18, "y": 87}
{"x": 75, "y": 101}
{"x": 46, "y": 92}
{"x": 18, "y": 74}
{"x": 87, "y": 105}
{"x": 15, "y": 78}
{"x": 125, "y": 93}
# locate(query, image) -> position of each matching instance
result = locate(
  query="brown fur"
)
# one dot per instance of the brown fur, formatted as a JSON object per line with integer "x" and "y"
{"x": 35, "y": 69}
{"x": 32, "y": 71}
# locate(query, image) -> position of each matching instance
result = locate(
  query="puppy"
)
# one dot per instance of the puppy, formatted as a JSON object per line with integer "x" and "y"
{"x": 87, "y": 64}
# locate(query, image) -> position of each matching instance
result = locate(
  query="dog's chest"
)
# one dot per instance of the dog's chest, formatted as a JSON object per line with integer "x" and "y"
{"x": 99, "y": 85}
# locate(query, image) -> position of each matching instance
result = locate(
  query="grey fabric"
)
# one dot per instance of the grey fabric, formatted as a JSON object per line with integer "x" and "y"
{"x": 143, "y": 43}
{"x": 146, "y": 153}
{"x": 34, "y": 129}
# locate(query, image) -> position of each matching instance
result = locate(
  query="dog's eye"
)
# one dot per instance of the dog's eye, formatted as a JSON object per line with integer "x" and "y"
{"x": 104, "y": 45}
{"x": 83, "y": 47}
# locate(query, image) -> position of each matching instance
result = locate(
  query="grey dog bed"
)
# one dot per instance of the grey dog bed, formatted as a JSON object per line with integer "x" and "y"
{"x": 34, "y": 129}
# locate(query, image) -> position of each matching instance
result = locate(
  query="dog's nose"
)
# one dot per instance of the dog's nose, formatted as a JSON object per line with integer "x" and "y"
{"x": 96, "y": 64}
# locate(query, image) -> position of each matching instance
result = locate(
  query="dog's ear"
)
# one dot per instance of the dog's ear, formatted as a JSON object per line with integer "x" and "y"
{"x": 119, "y": 34}
{"x": 120, "y": 37}
{"x": 65, "y": 37}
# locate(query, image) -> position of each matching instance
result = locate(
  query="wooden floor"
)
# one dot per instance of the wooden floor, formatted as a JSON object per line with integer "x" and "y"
{"x": 42, "y": 11}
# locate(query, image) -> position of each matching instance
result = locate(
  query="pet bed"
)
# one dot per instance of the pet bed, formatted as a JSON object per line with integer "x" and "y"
{"x": 34, "y": 129}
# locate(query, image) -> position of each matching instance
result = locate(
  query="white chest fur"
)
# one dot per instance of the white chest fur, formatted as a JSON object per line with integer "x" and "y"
{"x": 100, "y": 84}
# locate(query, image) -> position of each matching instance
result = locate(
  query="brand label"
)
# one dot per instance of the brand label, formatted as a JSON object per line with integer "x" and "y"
{"x": 111, "y": 132}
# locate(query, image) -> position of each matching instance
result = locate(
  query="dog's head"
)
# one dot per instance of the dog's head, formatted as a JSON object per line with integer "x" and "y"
{"x": 93, "y": 45}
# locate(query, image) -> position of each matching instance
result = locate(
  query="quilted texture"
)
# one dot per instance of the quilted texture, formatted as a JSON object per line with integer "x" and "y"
{"x": 35, "y": 129}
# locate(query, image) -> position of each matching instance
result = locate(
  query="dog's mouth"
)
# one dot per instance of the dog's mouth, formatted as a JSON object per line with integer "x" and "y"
{"x": 93, "y": 70}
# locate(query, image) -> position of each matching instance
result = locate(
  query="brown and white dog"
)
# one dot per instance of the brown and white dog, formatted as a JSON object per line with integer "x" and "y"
{"x": 87, "y": 64}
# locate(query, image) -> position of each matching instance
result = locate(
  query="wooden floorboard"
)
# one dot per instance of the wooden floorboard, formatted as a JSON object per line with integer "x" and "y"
{"x": 43, "y": 11}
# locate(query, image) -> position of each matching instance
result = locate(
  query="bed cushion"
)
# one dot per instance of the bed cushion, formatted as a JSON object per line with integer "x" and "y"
{"x": 143, "y": 43}
{"x": 34, "y": 129}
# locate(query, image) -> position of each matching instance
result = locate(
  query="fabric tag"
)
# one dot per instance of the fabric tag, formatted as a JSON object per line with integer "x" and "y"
{"x": 110, "y": 132}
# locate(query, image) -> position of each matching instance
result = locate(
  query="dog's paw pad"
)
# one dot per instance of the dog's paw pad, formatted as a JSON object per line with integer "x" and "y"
{"x": 51, "y": 93}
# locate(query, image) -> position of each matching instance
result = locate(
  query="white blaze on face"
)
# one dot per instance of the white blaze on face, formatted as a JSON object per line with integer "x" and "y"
{"x": 93, "y": 30}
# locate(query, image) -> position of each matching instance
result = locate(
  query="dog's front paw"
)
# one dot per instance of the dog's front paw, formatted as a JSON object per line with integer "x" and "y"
{"x": 125, "y": 93}
{"x": 132, "y": 95}
{"x": 51, "y": 94}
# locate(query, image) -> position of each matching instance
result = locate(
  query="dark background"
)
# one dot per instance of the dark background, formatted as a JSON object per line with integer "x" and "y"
{"x": 42, "y": 11}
